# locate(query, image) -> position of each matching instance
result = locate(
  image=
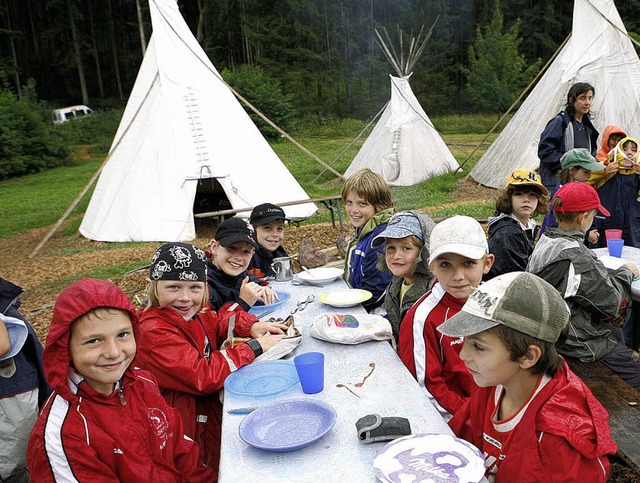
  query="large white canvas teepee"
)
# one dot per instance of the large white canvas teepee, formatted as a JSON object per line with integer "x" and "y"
{"x": 598, "y": 52}
{"x": 182, "y": 125}
{"x": 404, "y": 147}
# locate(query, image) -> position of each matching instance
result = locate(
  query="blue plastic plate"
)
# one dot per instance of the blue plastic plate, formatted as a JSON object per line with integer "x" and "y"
{"x": 262, "y": 378}
{"x": 260, "y": 308}
{"x": 287, "y": 425}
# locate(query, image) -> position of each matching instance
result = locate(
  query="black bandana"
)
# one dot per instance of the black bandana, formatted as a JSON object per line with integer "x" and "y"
{"x": 179, "y": 261}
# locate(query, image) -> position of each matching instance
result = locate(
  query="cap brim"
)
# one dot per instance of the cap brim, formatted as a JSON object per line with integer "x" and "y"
{"x": 474, "y": 252}
{"x": 225, "y": 241}
{"x": 463, "y": 324}
{"x": 18, "y": 334}
{"x": 603, "y": 210}
{"x": 267, "y": 219}
{"x": 395, "y": 233}
{"x": 541, "y": 187}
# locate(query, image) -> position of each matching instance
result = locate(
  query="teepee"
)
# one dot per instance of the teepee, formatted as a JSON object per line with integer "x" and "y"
{"x": 404, "y": 147}
{"x": 182, "y": 128}
{"x": 599, "y": 52}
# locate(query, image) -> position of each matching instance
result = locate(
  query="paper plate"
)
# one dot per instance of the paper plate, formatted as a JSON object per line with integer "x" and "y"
{"x": 345, "y": 298}
{"x": 321, "y": 275}
{"x": 260, "y": 308}
{"x": 262, "y": 378}
{"x": 287, "y": 425}
{"x": 429, "y": 457}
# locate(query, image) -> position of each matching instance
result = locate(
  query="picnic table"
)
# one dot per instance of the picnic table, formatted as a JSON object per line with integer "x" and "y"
{"x": 359, "y": 380}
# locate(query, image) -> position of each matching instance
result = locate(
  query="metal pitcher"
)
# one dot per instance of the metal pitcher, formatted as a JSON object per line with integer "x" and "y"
{"x": 282, "y": 268}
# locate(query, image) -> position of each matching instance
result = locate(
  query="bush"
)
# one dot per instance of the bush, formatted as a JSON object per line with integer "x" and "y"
{"x": 28, "y": 142}
{"x": 98, "y": 128}
{"x": 266, "y": 94}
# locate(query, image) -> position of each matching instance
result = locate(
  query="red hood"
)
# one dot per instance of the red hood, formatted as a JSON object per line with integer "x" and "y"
{"x": 608, "y": 131}
{"x": 74, "y": 301}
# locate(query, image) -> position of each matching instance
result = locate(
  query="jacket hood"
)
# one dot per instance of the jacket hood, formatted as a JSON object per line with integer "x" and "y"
{"x": 74, "y": 301}
{"x": 575, "y": 414}
{"x": 9, "y": 293}
{"x": 422, "y": 262}
{"x": 607, "y": 133}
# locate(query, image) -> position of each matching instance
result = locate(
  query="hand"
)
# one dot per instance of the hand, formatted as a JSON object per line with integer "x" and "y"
{"x": 636, "y": 168}
{"x": 593, "y": 237}
{"x": 633, "y": 268}
{"x": 268, "y": 341}
{"x": 250, "y": 292}
{"x": 263, "y": 328}
{"x": 268, "y": 296}
{"x": 611, "y": 167}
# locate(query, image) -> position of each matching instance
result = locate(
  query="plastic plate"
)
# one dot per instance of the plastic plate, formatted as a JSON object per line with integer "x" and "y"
{"x": 321, "y": 275}
{"x": 260, "y": 308}
{"x": 262, "y": 378}
{"x": 345, "y": 298}
{"x": 287, "y": 425}
{"x": 429, "y": 457}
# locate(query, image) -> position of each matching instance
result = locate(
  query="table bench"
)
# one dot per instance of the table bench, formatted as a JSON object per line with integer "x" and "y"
{"x": 332, "y": 203}
{"x": 618, "y": 398}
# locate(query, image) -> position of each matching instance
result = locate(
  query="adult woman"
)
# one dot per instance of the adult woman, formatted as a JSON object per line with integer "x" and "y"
{"x": 571, "y": 128}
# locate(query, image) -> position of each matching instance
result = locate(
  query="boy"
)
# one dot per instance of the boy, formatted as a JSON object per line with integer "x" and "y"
{"x": 268, "y": 222}
{"x": 533, "y": 419}
{"x": 106, "y": 420}
{"x": 561, "y": 259}
{"x": 459, "y": 258}
{"x": 406, "y": 251}
{"x": 229, "y": 282}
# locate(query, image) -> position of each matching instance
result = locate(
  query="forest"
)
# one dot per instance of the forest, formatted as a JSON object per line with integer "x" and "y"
{"x": 320, "y": 55}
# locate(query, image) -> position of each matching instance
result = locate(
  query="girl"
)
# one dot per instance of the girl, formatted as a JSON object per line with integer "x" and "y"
{"x": 611, "y": 136}
{"x": 406, "y": 249}
{"x": 268, "y": 222}
{"x": 229, "y": 281}
{"x": 367, "y": 202}
{"x": 512, "y": 232}
{"x": 178, "y": 341}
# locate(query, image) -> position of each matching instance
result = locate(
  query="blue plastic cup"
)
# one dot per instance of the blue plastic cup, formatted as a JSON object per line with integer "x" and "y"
{"x": 615, "y": 247}
{"x": 310, "y": 367}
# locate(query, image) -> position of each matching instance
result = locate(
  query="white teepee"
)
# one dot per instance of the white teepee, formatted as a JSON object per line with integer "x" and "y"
{"x": 598, "y": 52}
{"x": 404, "y": 147}
{"x": 182, "y": 126}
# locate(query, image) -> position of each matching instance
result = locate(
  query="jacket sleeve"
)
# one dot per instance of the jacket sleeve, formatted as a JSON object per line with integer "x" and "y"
{"x": 600, "y": 292}
{"x": 510, "y": 248}
{"x": 178, "y": 366}
{"x": 373, "y": 279}
{"x": 566, "y": 463}
{"x": 242, "y": 325}
{"x": 550, "y": 146}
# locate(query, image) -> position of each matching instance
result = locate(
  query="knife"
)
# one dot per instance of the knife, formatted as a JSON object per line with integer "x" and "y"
{"x": 241, "y": 410}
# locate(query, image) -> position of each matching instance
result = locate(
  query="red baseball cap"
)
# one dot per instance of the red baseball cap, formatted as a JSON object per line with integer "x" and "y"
{"x": 577, "y": 196}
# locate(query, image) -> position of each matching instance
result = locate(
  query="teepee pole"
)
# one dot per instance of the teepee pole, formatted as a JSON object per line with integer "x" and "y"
{"x": 535, "y": 79}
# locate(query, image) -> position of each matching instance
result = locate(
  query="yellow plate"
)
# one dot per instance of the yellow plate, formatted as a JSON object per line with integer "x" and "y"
{"x": 345, "y": 298}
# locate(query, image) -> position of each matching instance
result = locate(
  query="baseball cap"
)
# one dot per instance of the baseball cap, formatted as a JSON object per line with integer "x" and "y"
{"x": 178, "y": 261}
{"x": 581, "y": 158}
{"x": 18, "y": 333}
{"x": 400, "y": 225}
{"x": 235, "y": 230}
{"x": 526, "y": 177}
{"x": 577, "y": 196}
{"x": 521, "y": 301}
{"x": 459, "y": 234}
{"x": 265, "y": 213}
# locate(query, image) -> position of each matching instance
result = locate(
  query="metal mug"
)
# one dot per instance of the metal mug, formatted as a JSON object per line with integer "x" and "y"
{"x": 282, "y": 268}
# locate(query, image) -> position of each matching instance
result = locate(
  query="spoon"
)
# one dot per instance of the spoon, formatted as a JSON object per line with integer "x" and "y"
{"x": 307, "y": 271}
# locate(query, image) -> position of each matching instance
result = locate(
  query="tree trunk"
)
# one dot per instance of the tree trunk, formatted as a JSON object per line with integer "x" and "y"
{"x": 76, "y": 47}
{"x": 14, "y": 55}
{"x": 95, "y": 52}
{"x": 202, "y": 10}
{"x": 143, "y": 40}
{"x": 116, "y": 67}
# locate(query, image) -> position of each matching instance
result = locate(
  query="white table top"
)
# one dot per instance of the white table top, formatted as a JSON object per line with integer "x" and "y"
{"x": 629, "y": 254}
{"x": 339, "y": 455}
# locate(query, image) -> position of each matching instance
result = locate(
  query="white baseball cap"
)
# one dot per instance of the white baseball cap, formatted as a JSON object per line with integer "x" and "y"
{"x": 459, "y": 234}
{"x": 18, "y": 333}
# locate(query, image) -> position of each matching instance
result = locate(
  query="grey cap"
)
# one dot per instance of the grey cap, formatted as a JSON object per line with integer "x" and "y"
{"x": 521, "y": 301}
{"x": 400, "y": 225}
{"x": 580, "y": 158}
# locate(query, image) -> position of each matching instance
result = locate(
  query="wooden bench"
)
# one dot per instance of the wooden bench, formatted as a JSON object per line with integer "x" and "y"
{"x": 332, "y": 203}
{"x": 621, "y": 401}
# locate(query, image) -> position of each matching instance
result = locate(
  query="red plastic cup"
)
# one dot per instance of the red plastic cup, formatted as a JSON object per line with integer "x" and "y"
{"x": 613, "y": 233}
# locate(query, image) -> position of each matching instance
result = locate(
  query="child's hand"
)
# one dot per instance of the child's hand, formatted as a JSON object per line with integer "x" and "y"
{"x": 250, "y": 292}
{"x": 260, "y": 329}
{"x": 611, "y": 167}
{"x": 268, "y": 341}
{"x": 636, "y": 168}
{"x": 268, "y": 296}
{"x": 593, "y": 237}
{"x": 633, "y": 268}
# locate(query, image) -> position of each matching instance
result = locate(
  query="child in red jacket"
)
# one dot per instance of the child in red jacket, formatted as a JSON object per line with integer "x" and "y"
{"x": 532, "y": 417}
{"x": 179, "y": 338}
{"x": 106, "y": 420}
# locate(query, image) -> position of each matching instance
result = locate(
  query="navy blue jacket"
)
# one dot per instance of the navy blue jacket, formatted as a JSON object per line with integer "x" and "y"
{"x": 263, "y": 258}
{"x": 224, "y": 289}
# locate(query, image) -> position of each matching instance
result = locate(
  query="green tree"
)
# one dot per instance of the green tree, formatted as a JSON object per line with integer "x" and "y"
{"x": 497, "y": 71}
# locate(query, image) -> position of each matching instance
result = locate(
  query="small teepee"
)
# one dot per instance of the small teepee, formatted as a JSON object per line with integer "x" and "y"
{"x": 404, "y": 147}
{"x": 182, "y": 129}
{"x": 599, "y": 52}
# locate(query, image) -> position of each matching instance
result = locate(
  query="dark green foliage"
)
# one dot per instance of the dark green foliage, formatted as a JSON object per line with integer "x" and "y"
{"x": 96, "y": 129}
{"x": 266, "y": 94}
{"x": 28, "y": 141}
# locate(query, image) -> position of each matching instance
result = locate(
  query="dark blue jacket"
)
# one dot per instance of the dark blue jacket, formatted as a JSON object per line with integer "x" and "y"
{"x": 263, "y": 258}
{"x": 224, "y": 289}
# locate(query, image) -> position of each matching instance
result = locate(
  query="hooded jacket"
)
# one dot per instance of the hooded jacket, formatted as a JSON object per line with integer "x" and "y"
{"x": 563, "y": 436}
{"x": 591, "y": 293}
{"x": 510, "y": 244}
{"x": 190, "y": 370}
{"x": 362, "y": 259}
{"x": 23, "y": 389}
{"x": 260, "y": 264}
{"x": 423, "y": 278}
{"x": 603, "y": 153}
{"x": 224, "y": 290}
{"x": 84, "y": 435}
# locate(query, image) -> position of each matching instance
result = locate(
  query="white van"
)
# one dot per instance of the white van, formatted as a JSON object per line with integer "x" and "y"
{"x": 66, "y": 113}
